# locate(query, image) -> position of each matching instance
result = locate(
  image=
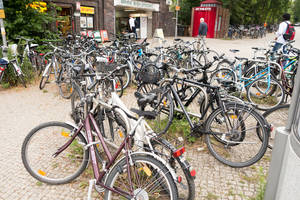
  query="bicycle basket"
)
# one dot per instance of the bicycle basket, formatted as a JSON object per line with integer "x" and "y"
{"x": 108, "y": 67}
{"x": 149, "y": 74}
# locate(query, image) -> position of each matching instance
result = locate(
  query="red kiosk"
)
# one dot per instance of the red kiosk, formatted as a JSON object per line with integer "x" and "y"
{"x": 216, "y": 17}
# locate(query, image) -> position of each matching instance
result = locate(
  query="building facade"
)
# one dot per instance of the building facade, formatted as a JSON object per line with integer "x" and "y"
{"x": 113, "y": 15}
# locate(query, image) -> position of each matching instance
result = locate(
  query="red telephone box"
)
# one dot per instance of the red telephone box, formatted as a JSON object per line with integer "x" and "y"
{"x": 216, "y": 17}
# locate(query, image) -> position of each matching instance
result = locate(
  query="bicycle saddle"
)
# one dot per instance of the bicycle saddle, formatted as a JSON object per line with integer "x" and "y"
{"x": 146, "y": 114}
{"x": 241, "y": 58}
{"x": 143, "y": 99}
{"x": 234, "y": 50}
{"x": 3, "y": 61}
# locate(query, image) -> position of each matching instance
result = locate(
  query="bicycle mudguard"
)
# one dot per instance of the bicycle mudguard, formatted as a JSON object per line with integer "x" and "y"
{"x": 165, "y": 163}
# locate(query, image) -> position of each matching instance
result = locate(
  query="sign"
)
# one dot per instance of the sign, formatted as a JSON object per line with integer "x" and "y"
{"x": 78, "y": 5}
{"x": 90, "y": 34}
{"x": 2, "y": 14}
{"x": 87, "y": 10}
{"x": 83, "y": 22}
{"x": 89, "y": 22}
{"x": 203, "y": 9}
{"x": 77, "y": 14}
{"x": 1, "y": 4}
{"x": 159, "y": 33}
{"x": 168, "y": 2}
{"x": 137, "y": 4}
{"x": 104, "y": 35}
{"x": 39, "y": 5}
{"x": 177, "y": 8}
{"x": 97, "y": 36}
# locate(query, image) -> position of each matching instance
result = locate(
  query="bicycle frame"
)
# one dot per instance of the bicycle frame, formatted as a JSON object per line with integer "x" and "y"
{"x": 99, "y": 175}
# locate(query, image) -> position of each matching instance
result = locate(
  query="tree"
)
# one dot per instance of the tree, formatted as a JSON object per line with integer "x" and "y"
{"x": 296, "y": 10}
{"x": 23, "y": 20}
{"x": 244, "y": 11}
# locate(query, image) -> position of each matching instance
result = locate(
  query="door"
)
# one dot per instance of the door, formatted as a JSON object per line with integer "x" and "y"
{"x": 143, "y": 27}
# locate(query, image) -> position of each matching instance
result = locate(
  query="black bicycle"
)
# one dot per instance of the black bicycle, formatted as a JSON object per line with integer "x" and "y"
{"x": 230, "y": 130}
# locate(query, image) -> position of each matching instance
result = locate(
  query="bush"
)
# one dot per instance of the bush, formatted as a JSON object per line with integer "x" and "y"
{"x": 10, "y": 78}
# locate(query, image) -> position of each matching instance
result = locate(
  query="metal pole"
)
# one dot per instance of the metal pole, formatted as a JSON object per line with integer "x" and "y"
{"x": 176, "y": 19}
{"x": 3, "y": 32}
{"x": 294, "y": 100}
{"x": 3, "y": 28}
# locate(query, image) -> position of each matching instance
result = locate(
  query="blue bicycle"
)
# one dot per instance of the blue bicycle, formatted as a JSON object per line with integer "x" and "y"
{"x": 257, "y": 83}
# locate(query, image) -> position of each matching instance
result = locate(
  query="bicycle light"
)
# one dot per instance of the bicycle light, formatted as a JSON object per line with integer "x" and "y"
{"x": 178, "y": 152}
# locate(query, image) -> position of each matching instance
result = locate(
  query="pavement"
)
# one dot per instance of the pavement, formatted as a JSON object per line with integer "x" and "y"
{"x": 22, "y": 109}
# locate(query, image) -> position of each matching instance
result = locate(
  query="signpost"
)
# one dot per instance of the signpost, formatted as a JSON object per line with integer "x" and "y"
{"x": 2, "y": 16}
{"x": 177, "y": 8}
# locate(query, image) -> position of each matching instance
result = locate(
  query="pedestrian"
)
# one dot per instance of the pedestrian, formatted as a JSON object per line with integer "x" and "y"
{"x": 132, "y": 26}
{"x": 202, "y": 28}
{"x": 283, "y": 26}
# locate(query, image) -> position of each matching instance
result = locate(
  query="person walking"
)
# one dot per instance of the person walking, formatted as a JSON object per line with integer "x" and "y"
{"x": 202, "y": 28}
{"x": 202, "y": 32}
{"x": 283, "y": 26}
{"x": 132, "y": 26}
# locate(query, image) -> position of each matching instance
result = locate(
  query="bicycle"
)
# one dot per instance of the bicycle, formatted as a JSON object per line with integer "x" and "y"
{"x": 116, "y": 121}
{"x": 259, "y": 81}
{"x": 4, "y": 64}
{"x": 137, "y": 175}
{"x": 225, "y": 128}
{"x": 30, "y": 52}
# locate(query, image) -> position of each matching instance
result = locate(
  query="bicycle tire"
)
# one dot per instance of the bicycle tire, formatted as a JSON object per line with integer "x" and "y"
{"x": 148, "y": 166}
{"x": 165, "y": 152}
{"x": 64, "y": 162}
{"x": 272, "y": 118}
{"x": 255, "y": 94}
{"x": 21, "y": 77}
{"x": 126, "y": 78}
{"x": 225, "y": 153}
{"x": 119, "y": 86}
{"x": 164, "y": 110}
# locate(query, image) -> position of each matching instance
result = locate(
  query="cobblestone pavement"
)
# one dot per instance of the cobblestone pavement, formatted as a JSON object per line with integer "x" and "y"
{"x": 22, "y": 109}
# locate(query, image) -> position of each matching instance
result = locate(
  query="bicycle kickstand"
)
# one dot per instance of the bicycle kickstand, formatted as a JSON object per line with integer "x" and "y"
{"x": 92, "y": 182}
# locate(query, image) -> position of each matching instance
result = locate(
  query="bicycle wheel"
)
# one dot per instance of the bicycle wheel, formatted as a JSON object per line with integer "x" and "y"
{"x": 119, "y": 86}
{"x": 45, "y": 77}
{"x": 265, "y": 94}
{"x": 40, "y": 145}
{"x": 232, "y": 137}
{"x": 65, "y": 84}
{"x": 77, "y": 112}
{"x": 186, "y": 188}
{"x": 222, "y": 74}
{"x": 21, "y": 77}
{"x": 149, "y": 179}
{"x": 272, "y": 118}
{"x": 126, "y": 78}
{"x": 162, "y": 106}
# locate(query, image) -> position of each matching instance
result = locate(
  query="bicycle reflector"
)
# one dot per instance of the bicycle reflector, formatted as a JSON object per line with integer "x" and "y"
{"x": 179, "y": 179}
{"x": 193, "y": 173}
{"x": 178, "y": 152}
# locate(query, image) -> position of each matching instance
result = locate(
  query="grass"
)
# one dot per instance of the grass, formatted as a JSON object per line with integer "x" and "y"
{"x": 211, "y": 196}
{"x": 262, "y": 186}
{"x": 83, "y": 185}
{"x": 5, "y": 85}
{"x": 38, "y": 183}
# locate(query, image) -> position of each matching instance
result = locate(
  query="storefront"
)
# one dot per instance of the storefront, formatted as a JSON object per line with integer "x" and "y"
{"x": 113, "y": 16}
{"x": 78, "y": 16}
